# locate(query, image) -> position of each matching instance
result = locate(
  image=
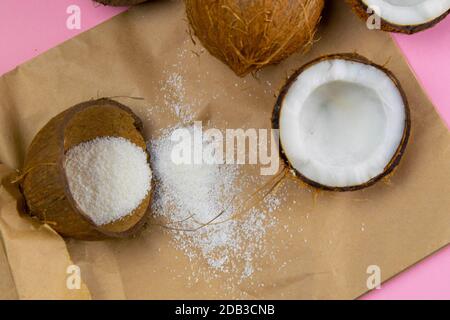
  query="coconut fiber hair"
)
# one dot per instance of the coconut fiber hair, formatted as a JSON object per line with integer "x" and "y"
{"x": 248, "y": 35}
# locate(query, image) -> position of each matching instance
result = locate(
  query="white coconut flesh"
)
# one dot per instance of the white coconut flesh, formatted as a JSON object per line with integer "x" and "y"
{"x": 341, "y": 122}
{"x": 409, "y": 12}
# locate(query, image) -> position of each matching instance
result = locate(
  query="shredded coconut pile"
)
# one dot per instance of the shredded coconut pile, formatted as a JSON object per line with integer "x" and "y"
{"x": 190, "y": 197}
{"x": 108, "y": 177}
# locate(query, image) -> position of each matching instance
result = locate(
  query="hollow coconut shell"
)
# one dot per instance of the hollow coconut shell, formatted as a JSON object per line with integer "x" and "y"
{"x": 248, "y": 35}
{"x": 360, "y": 8}
{"x": 118, "y": 3}
{"x": 44, "y": 182}
{"x": 394, "y": 162}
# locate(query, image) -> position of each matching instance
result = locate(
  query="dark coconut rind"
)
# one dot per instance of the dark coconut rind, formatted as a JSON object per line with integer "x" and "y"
{"x": 45, "y": 185}
{"x": 360, "y": 9}
{"x": 118, "y": 3}
{"x": 400, "y": 150}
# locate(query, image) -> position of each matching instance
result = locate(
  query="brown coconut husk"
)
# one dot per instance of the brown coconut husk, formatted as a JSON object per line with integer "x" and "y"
{"x": 394, "y": 162}
{"x": 118, "y": 3}
{"x": 360, "y": 8}
{"x": 248, "y": 35}
{"x": 44, "y": 182}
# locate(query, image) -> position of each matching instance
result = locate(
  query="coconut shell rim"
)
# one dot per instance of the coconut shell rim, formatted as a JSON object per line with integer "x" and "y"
{"x": 119, "y": 3}
{"x": 360, "y": 8}
{"x": 61, "y": 165}
{"x": 396, "y": 158}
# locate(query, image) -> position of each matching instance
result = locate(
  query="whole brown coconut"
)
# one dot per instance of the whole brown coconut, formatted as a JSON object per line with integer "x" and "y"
{"x": 117, "y": 3}
{"x": 248, "y": 35}
{"x": 44, "y": 183}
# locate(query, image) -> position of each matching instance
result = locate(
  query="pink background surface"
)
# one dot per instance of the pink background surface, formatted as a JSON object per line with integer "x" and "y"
{"x": 30, "y": 27}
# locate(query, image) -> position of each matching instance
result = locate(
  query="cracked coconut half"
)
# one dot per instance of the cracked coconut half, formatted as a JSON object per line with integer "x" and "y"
{"x": 404, "y": 16}
{"x": 344, "y": 122}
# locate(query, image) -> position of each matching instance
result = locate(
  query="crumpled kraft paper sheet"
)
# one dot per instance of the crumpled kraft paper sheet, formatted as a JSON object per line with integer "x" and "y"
{"x": 392, "y": 225}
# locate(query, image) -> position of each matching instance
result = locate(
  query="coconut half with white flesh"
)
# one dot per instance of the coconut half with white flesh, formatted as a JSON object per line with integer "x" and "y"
{"x": 404, "y": 16}
{"x": 344, "y": 122}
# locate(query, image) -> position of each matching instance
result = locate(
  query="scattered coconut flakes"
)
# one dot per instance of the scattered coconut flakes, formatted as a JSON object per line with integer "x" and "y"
{"x": 174, "y": 96}
{"x": 232, "y": 246}
{"x": 190, "y": 196}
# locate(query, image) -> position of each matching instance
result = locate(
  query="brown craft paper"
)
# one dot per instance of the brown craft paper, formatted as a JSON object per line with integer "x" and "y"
{"x": 322, "y": 245}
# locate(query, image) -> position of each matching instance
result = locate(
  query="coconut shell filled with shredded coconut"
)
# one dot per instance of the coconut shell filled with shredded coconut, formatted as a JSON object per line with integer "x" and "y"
{"x": 87, "y": 172}
{"x": 108, "y": 177}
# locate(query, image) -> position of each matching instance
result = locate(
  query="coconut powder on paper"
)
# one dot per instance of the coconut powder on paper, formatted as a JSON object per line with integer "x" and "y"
{"x": 202, "y": 206}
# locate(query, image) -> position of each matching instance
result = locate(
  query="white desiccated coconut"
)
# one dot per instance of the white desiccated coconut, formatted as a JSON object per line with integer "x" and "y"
{"x": 190, "y": 196}
{"x": 108, "y": 177}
